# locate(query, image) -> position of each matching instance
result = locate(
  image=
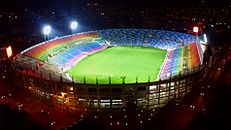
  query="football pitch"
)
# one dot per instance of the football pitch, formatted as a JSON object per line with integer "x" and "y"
{"x": 118, "y": 64}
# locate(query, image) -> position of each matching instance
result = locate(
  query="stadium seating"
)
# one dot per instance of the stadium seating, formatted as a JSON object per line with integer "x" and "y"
{"x": 183, "y": 52}
{"x": 31, "y": 66}
{"x": 64, "y": 52}
{"x": 42, "y": 51}
{"x": 68, "y": 57}
{"x": 176, "y": 59}
{"x": 146, "y": 37}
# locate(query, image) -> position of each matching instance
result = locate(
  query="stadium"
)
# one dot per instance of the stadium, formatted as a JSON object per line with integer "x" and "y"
{"x": 112, "y": 68}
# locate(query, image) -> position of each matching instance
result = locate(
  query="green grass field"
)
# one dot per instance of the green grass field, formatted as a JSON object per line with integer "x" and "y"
{"x": 118, "y": 62}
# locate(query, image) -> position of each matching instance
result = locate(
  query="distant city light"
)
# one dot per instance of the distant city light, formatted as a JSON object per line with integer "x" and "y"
{"x": 74, "y": 25}
{"x": 63, "y": 94}
{"x": 47, "y": 30}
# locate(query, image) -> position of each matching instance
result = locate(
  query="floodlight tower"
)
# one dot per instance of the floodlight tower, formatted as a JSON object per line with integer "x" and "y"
{"x": 196, "y": 31}
{"x": 46, "y": 31}
{"x": 73, "y": 26}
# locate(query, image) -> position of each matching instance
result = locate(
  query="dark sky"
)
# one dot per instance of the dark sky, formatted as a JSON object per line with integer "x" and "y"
{"x": 66, "y": 4}
{"x": 21, "y": 4}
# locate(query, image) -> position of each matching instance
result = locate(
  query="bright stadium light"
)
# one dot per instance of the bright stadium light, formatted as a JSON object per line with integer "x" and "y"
{"x": 205, "y": 38}
{"x": 74, "y": 26}
{"x": 9, "y": 51}
{"x": 46, "y": 31}
{"x": 195, "y": 29}
{"x": 205, "y": 41}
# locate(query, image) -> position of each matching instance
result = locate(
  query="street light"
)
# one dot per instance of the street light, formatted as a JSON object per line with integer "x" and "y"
{"x": 46, "y": 31}
{"x": 73, "y": 26}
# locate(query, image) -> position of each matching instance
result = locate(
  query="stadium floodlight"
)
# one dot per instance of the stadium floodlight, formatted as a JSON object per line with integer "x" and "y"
{"x": 205, "y": 41}
{"x": 74, "y": 26}
{"x": 9, "y": 51}
{"x": 195, "y": 29}
{"x": 46, "y": 31}
{"x": 205, "y": 38}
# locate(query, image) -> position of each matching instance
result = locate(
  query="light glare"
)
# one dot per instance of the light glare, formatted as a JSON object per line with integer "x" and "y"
{"x": 195, "y": 29}
{"x": 47, "y": 30}
{"x": 9, "y": 51}
{"x": 205, "y": 38}
{"x": 74, "y": 25}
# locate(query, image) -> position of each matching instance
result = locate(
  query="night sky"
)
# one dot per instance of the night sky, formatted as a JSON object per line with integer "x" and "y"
{"x": 34, "y": 14}
{"x": 69, "y": 4}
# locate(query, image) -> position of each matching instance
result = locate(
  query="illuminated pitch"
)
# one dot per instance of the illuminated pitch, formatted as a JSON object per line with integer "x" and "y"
{"x": 140, "y": 64}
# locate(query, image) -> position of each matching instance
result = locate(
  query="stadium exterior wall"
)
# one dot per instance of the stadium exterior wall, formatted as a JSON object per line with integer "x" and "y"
{"x": 145, "y": 95}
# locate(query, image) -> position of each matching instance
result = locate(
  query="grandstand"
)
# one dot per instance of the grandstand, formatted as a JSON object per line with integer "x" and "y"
{"x": 69, "y": 57}
{"x": 67, "y": 51}
{"x": 181, "y": 59}
{"x": 112, "y": 68}
{"x": 62, "y": 54}
{"x": 147, "y": 37}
